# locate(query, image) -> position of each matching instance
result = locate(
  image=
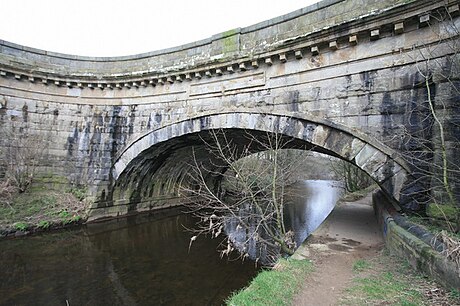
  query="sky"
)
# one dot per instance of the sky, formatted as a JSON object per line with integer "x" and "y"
{"x": 125, "y": 27}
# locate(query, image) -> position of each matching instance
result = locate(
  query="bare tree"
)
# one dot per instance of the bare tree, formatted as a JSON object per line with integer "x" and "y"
{"x": 354, "y": 178}
{"x": 432, "y": 138}
{"x": 249, "y": 207}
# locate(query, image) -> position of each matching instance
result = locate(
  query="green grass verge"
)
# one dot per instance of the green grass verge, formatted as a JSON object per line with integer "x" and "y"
{"x": 274, "y": 287}
{"x": 385, "y": 288}
{"x": 385, "y": 280}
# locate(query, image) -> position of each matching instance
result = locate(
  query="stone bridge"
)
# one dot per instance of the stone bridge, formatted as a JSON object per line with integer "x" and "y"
{"x": 340, "y": 77}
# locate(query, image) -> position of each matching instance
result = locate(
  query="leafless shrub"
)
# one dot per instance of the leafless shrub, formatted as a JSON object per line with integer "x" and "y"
{"x": 22, "y": 153}
{"x": 452, "y": 247}
{"x": 250, "y": 209}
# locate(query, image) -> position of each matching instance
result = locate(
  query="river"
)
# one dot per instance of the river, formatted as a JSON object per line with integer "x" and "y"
{"x": 139, "y": 260}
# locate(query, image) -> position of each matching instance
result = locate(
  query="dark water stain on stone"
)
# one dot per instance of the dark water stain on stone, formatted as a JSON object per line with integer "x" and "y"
{"x": 3, "y": 106}
{"x": 367, "y": 77}
{"x": 294, "y": 100}
{"x": 72, "y": 141}
{"x": 25, "y": 113}
{"x": 204, "y": 122}
{"x": 132, "y": 117}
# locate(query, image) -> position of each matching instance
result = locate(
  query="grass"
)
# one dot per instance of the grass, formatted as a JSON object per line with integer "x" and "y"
{"x": 274, "y": 287}
{"x": 385, "y": 287}
{"x": 442, "y": 211}
{"x": 385, "y": 280}
{"x": 361, "y": 265}
{"x": 40, "y": 209}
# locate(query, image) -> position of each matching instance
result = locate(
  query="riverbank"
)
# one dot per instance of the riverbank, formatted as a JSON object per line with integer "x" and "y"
{"x": 41, "y": 210}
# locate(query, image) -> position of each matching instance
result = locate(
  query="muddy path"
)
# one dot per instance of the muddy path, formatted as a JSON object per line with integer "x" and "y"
{"x": 349, "y": 233}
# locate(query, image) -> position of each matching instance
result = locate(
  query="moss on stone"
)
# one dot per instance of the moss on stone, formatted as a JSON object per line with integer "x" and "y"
{"x": 230, "y": 41}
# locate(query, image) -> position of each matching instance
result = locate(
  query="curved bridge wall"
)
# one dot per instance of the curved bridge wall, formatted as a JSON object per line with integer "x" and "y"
{"x": 344, "y": 64}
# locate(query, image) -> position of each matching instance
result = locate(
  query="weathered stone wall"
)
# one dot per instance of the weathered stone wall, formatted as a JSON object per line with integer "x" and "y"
{"x": 352, "y": 65}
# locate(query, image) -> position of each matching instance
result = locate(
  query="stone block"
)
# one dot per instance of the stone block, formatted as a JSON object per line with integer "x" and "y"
{"x": 320, "y": 135}
{"x": 333, "y": 45}
{"x": 353, "y": 40}
{"x": 283, "y": 58}
{"x": 453, "y": 10}
{"x": 370, "y": 160}
{"x": 399, "y": 28}
{"x": 314, "y": 50}
{"x": 424, "y": 20}
{"x": 375, "y": 34}
{"x": 298, "y": 54}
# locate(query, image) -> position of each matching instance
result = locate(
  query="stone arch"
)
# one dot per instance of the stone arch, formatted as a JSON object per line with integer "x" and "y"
{"x": 144, "y": 159}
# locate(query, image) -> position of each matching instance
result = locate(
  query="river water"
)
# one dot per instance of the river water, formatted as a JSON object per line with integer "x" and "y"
{"x": 140, "y": 260}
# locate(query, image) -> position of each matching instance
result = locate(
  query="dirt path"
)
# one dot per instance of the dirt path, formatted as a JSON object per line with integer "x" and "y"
{"x": 348, "y": 234}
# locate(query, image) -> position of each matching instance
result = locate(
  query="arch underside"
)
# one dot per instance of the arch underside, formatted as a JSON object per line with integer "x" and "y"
{"x": 147, "y": 175}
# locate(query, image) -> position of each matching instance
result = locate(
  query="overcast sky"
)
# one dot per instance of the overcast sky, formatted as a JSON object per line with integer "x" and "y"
{"x": 124, "y": 27}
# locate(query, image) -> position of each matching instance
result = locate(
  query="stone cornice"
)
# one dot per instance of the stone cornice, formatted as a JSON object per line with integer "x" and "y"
{"x": 394, "y": 20}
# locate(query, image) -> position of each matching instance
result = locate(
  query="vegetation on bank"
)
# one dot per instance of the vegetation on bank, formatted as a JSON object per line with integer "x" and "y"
{"x": 25, "y": 206}
{"x": 438, "y": 218}
{"x": 276, "y": 286}
{"x": 358, "y": 194}
{"x": 38, "y": 210}
{"x": 386, "y": 280}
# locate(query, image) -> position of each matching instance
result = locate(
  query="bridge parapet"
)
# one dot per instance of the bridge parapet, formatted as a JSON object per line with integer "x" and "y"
{"x": 326, "y": 25}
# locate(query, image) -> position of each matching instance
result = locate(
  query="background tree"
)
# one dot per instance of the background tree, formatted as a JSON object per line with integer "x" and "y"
{"x": 354, "y": 178}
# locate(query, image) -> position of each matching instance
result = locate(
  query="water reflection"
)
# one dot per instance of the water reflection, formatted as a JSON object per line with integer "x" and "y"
{"x": 308, "y": 203}
{"x": 131, "y": 261}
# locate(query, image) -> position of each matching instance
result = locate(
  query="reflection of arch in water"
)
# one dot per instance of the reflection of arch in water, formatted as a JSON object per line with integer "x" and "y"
{"x": 163, "y": 156}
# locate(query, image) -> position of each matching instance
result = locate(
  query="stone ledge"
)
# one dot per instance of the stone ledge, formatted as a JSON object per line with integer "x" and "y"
{"x": 418, "y": 253}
